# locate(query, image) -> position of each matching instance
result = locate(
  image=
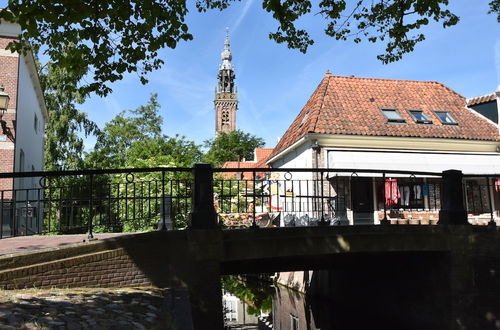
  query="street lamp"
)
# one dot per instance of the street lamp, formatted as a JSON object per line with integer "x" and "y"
{"x": 4, "y": 100}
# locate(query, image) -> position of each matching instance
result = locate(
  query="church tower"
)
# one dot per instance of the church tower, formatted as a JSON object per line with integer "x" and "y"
{"x": 226, "y": 94}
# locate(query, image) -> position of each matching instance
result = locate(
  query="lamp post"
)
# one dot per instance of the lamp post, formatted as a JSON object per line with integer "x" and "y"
{"x": 4, "y": 101}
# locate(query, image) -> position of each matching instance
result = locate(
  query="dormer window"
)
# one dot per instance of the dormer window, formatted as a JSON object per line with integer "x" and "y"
{"x": 445, "y": 117}
{"x": 420, "y": 117}
{"x": 393, "y": 116}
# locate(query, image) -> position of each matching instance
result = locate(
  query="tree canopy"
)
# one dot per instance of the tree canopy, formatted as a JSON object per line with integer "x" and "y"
{"x": 63, "y": 132}
{"x": 134, "y": 139}
{"x": 232, "y": 146}
{"x": 112, "y": 38}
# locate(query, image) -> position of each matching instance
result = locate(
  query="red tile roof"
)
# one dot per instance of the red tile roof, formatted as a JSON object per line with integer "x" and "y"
{"x": 481, "y": 99}
{"x": 261, "y": 156}
{"x": 351, "y": 106}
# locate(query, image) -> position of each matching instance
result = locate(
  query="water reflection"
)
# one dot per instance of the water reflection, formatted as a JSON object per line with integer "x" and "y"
{"x": 257, "y": 303}
{"x": 247, "y": 302}
{"x": 413, "y": 298}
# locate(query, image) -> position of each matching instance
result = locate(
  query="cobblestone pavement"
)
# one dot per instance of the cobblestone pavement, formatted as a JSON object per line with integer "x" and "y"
{"x": 94, "y": 308}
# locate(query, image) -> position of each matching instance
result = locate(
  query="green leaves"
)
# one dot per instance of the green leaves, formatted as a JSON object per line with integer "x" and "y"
{"x": 134, "y": 139}
{"x": 109, "y": 37}
{"x": 286, "y": 14}
{"x": 231, "y": 146}
{"x": 63, "y": 132}
{"x": 393, "y": 22}
{"x": 495, "y": 9}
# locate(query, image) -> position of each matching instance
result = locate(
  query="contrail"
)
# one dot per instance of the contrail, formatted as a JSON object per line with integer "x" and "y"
{"x": 242, "y": 16}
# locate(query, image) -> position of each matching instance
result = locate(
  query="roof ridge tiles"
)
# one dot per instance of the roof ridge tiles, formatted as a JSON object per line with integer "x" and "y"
{"x": 490, "y": 97}
{"x": 389, "y": 79}
{"x": 322, "y": 102}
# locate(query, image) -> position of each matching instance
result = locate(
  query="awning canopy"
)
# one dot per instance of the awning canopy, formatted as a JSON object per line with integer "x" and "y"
{"x": 412, "y": 161}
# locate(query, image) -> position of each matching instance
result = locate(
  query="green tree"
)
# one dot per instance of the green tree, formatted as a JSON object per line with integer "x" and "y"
{"x": 495, "y": 9}
{"x": 163, "y": 151}
{"x": 134, "y": 139}
{"x": 232, "y": 146}
{"x": 112, "y": 38}
{"x": 63, "y": 132}
{"x": 127, "y": 128}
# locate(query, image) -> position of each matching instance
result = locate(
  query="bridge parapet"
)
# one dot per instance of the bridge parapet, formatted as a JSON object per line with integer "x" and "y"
{"x": 124, "y": 200}
{"x": 468, "y": 259}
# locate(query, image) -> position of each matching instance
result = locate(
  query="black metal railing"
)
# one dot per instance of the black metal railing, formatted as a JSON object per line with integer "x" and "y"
{"x": 482, "y": 199}
{"x": 95, "y": 201}
{"x": 305, "y": 197}
{"x": 130, "y": 200}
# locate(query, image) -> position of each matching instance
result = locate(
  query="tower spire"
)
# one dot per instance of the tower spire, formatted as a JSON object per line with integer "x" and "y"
{"x": 226, "y": 98}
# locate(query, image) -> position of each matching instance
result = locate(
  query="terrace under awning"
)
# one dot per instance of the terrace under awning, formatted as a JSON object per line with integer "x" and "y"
{"x": 468, "y": 163}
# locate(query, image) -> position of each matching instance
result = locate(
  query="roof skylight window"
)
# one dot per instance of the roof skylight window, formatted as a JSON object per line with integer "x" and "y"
{"x": 445, "y": 117}
{"x": 420, "y": 117}
{"x": 304, "y": 119}
{"x": 393, "y": 116}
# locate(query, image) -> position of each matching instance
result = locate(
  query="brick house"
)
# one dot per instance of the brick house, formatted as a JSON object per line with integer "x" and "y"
{"x": 383, "y": 124}
{"x": 23, "y": 123}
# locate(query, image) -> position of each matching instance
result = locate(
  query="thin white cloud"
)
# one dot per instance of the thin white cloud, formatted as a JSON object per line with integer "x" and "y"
{"x": 497, "y": 59}
{"x": 188, "y": 88}
{"x": 242, "y": 16}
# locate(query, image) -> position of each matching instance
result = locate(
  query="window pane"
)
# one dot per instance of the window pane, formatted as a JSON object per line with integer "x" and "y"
{"x": 392, "y": 115}
{"x": 419, "y": 115}
{"x": 445, "y": 117}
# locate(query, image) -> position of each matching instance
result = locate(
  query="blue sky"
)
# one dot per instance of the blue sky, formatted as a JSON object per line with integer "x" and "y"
{"x": 275, "y": 82}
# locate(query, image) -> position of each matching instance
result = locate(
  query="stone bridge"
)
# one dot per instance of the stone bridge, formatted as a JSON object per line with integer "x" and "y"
{"x": 450, "y": 273}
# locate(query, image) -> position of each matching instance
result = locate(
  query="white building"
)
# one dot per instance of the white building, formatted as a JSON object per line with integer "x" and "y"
{"x": 22, "y": 126}
{"x": 381, "y": 124}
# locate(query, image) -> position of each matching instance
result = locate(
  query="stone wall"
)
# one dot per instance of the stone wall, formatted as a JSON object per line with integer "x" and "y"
{"x": 103, "y": 269}
{"x": 133, "y": 260}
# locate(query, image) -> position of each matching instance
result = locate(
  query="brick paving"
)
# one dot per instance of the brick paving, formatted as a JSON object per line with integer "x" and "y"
{"x": 38, "y": 242}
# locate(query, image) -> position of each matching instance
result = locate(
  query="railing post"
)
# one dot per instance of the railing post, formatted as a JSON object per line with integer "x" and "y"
{"x": 164, "y": 212}
{"x": 254, "y": 221}
{"x": 322, "y": 221}
{"x": 91, "y": 210}
{"x": 452, "y": 199}
{"x": 384, "y": 221}
{"x": 492, "y": 222}
{"x": 203, "y": 214}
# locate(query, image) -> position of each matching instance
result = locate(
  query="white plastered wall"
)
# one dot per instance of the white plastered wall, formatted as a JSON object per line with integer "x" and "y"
{"x": 302, "y": 156}
{"x": 29, "y": 140}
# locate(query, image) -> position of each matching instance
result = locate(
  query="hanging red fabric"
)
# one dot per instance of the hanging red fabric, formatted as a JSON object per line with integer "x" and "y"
{"x": 391, "y": 192}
